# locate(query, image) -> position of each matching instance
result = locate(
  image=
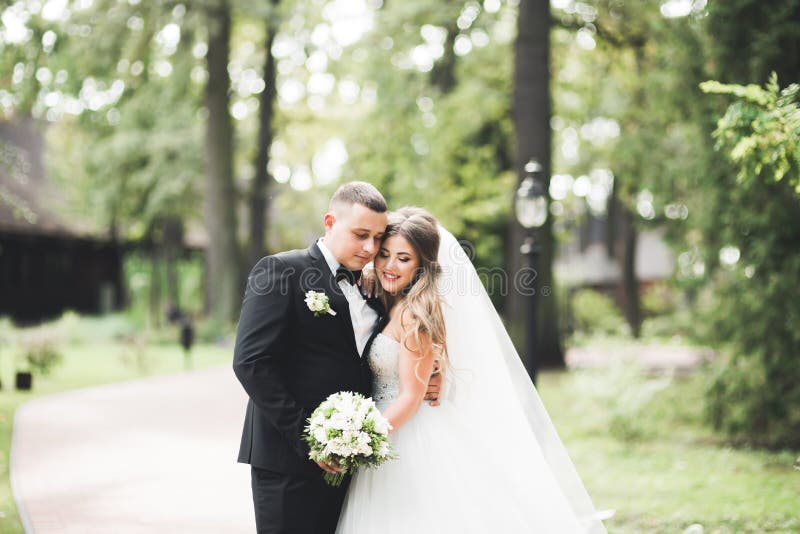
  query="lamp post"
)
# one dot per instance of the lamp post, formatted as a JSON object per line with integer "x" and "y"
{"x": 531, "y": 211}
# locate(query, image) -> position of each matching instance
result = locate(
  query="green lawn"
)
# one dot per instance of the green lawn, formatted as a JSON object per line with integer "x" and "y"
{"x": 86, "y": 365}
{"x": 641, "y": 448}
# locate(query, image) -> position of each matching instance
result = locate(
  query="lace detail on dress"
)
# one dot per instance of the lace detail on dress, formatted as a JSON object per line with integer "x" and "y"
{"x": 383, "y": 360}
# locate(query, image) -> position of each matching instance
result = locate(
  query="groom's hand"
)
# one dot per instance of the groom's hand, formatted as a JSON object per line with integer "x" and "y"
{"x": 329, "y": 468}
{"x": 434, "y": 385}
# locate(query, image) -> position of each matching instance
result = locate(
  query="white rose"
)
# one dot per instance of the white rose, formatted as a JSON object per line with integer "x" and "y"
{"x": 320, "y": 434}
{"x": 361, "y": 413}
{"x": 338, "y": 421}
{"x": 337, "y": 446}
{"x": 344, "y": 408}
{"x": 382, "y": 426}
{"x": 318, "y": 419}
{"x": 315, "y": 301}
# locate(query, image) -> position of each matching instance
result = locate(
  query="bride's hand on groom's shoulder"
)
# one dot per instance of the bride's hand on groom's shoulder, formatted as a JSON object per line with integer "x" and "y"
{"x": 369, "y": 281}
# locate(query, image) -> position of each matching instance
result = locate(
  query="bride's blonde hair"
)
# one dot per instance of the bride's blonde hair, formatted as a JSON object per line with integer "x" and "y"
{"x": 421, "y": 304}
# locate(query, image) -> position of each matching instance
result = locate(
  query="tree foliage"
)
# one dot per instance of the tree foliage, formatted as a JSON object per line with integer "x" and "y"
{"x": 756, "y": 395}
{"x": 443, "y": 146}
{"x": 761, "y": 130}
{"x": 417, "y": 99}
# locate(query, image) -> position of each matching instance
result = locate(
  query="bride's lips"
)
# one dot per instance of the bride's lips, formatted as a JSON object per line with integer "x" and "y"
{"x": 389, "y": 277}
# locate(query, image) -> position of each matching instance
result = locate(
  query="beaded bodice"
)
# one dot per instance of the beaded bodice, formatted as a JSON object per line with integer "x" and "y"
{"x": 383, "y": 361}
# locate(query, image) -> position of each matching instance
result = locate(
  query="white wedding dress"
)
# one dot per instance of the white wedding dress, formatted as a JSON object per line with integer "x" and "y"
{"x": 487, "y": 459}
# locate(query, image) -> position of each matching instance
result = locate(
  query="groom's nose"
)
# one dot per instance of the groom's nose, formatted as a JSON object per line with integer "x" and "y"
{"x": 369, "y": 246}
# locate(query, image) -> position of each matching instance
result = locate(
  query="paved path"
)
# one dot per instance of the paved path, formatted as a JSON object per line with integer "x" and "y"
{"x": 677, "y": 359}
{"x": 152, "y": 456}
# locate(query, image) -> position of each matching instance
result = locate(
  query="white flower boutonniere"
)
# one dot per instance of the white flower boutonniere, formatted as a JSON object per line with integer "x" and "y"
{"x": 317, "y": 302}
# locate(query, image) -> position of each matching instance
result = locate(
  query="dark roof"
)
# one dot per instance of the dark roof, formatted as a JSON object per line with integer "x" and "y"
{"x": 29, "y": 204}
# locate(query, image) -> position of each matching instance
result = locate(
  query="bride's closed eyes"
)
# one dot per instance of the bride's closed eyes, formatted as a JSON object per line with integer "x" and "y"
{"x": 385, "y": 254}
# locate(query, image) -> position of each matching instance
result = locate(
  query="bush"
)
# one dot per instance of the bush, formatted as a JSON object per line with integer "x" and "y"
{"x": 6, "y": 331}
{"x": 75, "y": 328}
{"x": 633, "y": 402}
{"x": 681, "y": 323}
{"x": 39, "y": 349}
{"x": 660, "y": 299}
{"x": 595, "y": 313}
{"x": 755, "y": 396}
{"x": 135, "y": 354}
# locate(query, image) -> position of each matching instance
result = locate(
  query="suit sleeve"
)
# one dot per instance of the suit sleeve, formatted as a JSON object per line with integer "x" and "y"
{"x": 262, "y": 324}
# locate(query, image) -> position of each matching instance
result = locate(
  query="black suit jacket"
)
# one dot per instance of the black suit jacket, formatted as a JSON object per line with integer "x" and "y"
{"x": 289, "y": 361}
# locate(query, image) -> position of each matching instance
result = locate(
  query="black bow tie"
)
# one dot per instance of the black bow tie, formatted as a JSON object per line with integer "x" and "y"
{"x": 342, "y": 273}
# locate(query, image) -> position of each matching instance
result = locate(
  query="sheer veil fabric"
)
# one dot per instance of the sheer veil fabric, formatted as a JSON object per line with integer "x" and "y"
{"x": 487, "y": 459}
{"x": 488, "y": 382}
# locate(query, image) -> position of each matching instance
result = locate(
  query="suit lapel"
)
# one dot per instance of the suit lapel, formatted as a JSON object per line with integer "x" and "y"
{"x": 336, "y": 298}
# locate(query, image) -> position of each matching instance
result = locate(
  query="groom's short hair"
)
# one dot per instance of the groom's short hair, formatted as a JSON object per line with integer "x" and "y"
{"x": 358, "y": 193}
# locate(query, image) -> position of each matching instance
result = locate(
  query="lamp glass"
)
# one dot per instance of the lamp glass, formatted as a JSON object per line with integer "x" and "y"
{"x": 531, "y": 211}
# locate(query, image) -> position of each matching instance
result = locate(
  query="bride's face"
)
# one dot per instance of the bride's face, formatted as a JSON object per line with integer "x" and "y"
{"x": 396, "y": 264}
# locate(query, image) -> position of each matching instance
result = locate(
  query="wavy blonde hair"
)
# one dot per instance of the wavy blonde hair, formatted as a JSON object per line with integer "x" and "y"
{"x": 421, "y": 304}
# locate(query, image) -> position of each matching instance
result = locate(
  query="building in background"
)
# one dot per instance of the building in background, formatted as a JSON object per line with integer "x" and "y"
{"x": 585, "y": 261}
{"x": 48, "y": 263}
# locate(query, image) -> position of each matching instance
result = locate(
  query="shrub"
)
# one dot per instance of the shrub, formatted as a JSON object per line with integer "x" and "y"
{"x": 6, "y": 332}
{"x": 636, "y": 405}
{"x": 76, "y": 328}
{"x": 595, "y": 313}
{"x": 755, "y": 396}
{"x": 39, "y": 349}
{"x": 660, "y": 299}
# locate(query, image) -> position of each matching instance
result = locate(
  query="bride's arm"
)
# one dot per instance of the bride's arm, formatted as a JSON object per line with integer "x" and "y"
{"x": 415, "y": 366}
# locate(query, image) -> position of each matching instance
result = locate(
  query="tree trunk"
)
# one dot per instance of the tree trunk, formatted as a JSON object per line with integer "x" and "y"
{"x": 612, "y": 220}
{"x": 118, "y": 266}
{"x": 630, "y": 285}
{"x": 172, "y": 243}
{"x": 259, "y": 194}
{"x": 443, "y": 75}
{"x": 155, "y": 286}
{"x": 222, "y": 258}
{"x": 532, "y": 124}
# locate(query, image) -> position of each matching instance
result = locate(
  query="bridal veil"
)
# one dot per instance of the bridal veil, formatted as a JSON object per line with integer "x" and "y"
{"x": 488, "y": 381}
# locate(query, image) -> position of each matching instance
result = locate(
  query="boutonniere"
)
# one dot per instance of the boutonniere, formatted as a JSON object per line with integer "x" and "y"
{"x": 317, "y": 302}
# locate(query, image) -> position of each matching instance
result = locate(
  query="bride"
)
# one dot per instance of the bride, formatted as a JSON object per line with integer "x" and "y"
{"x": 488, "y": 458}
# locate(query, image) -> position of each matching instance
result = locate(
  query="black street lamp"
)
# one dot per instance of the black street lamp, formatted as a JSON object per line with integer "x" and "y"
{"x": 531, "y": 211}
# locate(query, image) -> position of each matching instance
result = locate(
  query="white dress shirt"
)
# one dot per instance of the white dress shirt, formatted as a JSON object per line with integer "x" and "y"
{"x": 363, "y": 317}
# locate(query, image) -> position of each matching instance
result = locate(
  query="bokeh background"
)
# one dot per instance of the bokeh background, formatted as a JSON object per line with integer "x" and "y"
{"x": 152, "y": 151}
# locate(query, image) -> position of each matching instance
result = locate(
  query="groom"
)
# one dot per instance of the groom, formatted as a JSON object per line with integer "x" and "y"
{"x": 289, "y": 359}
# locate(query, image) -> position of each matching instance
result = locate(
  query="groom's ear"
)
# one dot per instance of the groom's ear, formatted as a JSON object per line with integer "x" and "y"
{"x": 328, "y": 220}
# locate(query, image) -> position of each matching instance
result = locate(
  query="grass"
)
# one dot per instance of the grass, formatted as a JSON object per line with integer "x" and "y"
{"x": 86, "y": 364}
{"x": 642, "y": 450}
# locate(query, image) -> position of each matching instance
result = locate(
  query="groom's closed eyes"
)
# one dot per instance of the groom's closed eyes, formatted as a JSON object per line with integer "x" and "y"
{"x": 363, "y": 233}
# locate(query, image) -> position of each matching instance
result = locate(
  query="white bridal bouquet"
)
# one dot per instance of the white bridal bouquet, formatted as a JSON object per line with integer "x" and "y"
{"x": 348, "y": 430}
